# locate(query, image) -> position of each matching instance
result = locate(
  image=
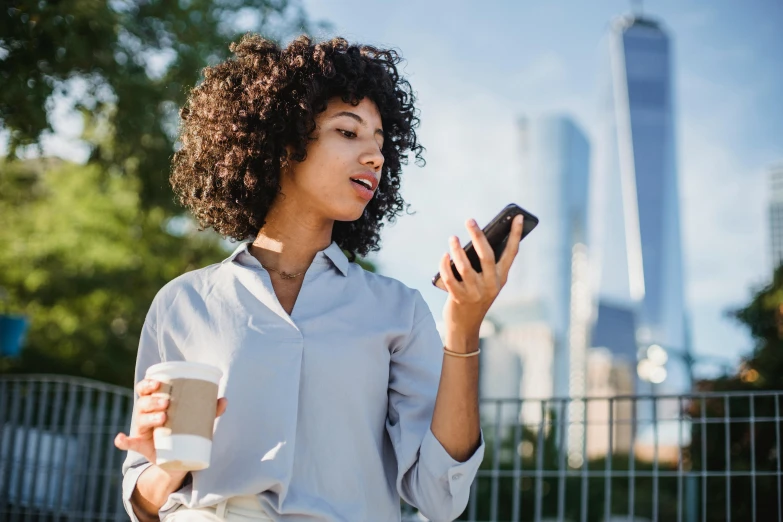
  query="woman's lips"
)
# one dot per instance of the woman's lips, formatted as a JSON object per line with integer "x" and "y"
{"x": 363, "y": 191}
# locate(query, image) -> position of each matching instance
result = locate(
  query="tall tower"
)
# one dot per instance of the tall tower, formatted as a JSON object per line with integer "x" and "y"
{"x": 776, "y": 214}
{"x": 641, "y": 251}
{"x": 552, "y": 272}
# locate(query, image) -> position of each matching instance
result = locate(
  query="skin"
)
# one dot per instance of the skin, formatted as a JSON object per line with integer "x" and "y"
{"x": 314, "y": 194}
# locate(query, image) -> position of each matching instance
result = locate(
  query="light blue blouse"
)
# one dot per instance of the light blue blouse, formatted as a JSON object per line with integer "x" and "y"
{"x": 329, "y": 409}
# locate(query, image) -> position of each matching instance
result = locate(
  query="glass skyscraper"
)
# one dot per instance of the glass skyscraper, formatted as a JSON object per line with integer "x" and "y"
{"x": 542, "y": 318}
{"x": 776, "y": 214}
{"x": 640, "y": 246}
{"x": 552, "y": 272}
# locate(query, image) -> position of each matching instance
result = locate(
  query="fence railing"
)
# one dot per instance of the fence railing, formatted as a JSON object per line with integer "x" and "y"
{"x": 57, "y": 457}
{"x": 701, "y": 457}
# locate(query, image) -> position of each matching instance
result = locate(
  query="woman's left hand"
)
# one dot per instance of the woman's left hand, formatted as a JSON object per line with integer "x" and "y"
{"x": 470, "y": 299}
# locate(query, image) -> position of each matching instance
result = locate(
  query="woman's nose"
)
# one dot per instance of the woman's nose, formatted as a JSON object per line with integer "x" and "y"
{"x": 372, "y": 157}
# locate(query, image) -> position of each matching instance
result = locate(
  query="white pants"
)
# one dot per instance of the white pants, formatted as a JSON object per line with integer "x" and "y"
{"x": 235, "y": 509}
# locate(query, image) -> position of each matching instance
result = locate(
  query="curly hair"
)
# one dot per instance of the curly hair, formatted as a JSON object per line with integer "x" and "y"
{"x": 256, "y": 111}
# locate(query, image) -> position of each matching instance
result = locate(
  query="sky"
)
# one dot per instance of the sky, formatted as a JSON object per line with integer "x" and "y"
{"x": 477, "y": 67}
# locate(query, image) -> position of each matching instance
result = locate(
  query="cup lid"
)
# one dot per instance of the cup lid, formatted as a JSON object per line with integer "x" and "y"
{"x": 169, "y": 370}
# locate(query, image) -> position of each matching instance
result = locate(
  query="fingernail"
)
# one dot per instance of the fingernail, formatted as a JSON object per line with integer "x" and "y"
{"x": 473, "y": 223}
{"x": 163, "y": 402}
{"x": 158, "y": 416}
{"x": 518, "y": 219}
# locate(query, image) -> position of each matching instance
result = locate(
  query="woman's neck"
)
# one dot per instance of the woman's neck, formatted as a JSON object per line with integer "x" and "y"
{"x": 289, "y": 240}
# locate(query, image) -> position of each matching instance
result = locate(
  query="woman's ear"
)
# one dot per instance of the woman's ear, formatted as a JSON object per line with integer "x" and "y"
{"x": 285, "y": 161}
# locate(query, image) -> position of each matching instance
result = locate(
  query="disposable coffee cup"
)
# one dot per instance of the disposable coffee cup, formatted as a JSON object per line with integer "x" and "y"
{"x": 184, "y": 442}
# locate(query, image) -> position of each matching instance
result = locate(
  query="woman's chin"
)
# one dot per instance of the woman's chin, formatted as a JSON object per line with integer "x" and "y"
{"x": 349, "y": 212}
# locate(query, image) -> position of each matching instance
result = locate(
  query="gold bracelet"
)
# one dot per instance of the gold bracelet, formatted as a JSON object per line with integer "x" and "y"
{"x": 457, "y": 354}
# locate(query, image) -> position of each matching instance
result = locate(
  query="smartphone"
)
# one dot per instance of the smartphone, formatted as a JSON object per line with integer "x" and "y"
{"x": 497, "y": 234}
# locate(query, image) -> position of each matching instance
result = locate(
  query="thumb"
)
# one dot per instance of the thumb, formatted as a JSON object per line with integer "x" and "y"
{"x": 125, "y": 443}
{"x": 222, "y": 403}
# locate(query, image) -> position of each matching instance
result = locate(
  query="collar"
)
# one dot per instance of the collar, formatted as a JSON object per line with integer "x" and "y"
{"x": 337, "y": 257}
{"x": 241, "y": 247}
{"x": 333, "y": 253}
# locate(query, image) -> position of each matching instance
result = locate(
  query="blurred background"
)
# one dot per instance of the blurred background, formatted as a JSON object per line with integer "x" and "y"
{"x": 646, "y": 136}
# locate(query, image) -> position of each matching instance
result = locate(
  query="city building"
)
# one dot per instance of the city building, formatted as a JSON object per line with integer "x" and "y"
{"x": 553, "y": 267}
{"x": 608, "y": 376}
{"x": 598, "y": 295}
{"x": 517, "y": 362}
{"x": 776, "y": 214}
{"x": 542, "y": 318}
{"x": 640, "y": 267}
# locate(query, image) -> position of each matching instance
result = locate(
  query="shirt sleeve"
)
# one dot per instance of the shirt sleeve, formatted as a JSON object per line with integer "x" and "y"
{"x": 135, "y": 464}
{"x": 427, "y": 476}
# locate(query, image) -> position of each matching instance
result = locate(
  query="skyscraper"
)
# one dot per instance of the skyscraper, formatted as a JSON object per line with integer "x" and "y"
{"x": 550, "y": 276}
{"x": 639, "y": 237}
{"x": 776, "y": 214}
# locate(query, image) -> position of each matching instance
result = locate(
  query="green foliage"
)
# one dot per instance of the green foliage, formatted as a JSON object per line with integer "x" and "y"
{"x": 751, "y": 445}
{"x": 367, "y": 265}
{"x": 84, "y": 248}
{"x": 83, "y": 259}
{"x": 134, "y": 61}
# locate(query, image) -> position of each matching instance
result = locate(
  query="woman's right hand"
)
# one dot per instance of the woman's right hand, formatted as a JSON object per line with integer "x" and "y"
{"x": 150, "y": 413}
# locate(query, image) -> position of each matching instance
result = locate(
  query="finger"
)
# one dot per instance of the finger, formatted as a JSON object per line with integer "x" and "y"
{"x": 484, "y": 251}
{"x": 147, "y": 386}
{"x": 148, "y": 404}
{"x": 450, "y": 283}
{"x": 222, "y": 403}
{"x": 512, "y": 247}
{"x": 150, "y": 421}
{"x": 121, "y": 441}
{"x": 461, "y": 261}
{"x": 125, "y": 443}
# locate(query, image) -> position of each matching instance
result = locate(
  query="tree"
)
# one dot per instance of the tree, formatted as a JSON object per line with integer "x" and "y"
{"x": 135, "y": 60}
{"x": 84, "y": 248}
{"x": 83, "y": 259}
{"x": 751, "y": 445}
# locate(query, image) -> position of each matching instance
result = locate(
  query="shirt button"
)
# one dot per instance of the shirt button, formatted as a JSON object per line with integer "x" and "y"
{"x": 457, "y": 476}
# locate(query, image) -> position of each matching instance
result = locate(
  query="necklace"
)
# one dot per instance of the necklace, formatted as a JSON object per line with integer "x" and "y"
{"x": 283, "y": 275}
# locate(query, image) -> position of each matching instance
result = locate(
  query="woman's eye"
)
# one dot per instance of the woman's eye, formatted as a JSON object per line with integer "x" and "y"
{"x": 347, "y": 134}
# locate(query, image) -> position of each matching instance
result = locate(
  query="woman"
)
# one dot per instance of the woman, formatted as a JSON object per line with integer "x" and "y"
{"x": 338, "y": 395}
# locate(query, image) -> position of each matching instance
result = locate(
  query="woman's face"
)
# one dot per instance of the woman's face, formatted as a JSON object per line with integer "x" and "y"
{"x": 343, "y": 165}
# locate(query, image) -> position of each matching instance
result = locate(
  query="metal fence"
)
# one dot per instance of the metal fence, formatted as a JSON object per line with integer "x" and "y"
{"x": 57, "y": 457}
{"x": 703, "y": 457}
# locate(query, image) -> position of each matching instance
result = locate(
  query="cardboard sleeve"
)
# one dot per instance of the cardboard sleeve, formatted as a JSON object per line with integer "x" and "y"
{"x": 192, "y": 407}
